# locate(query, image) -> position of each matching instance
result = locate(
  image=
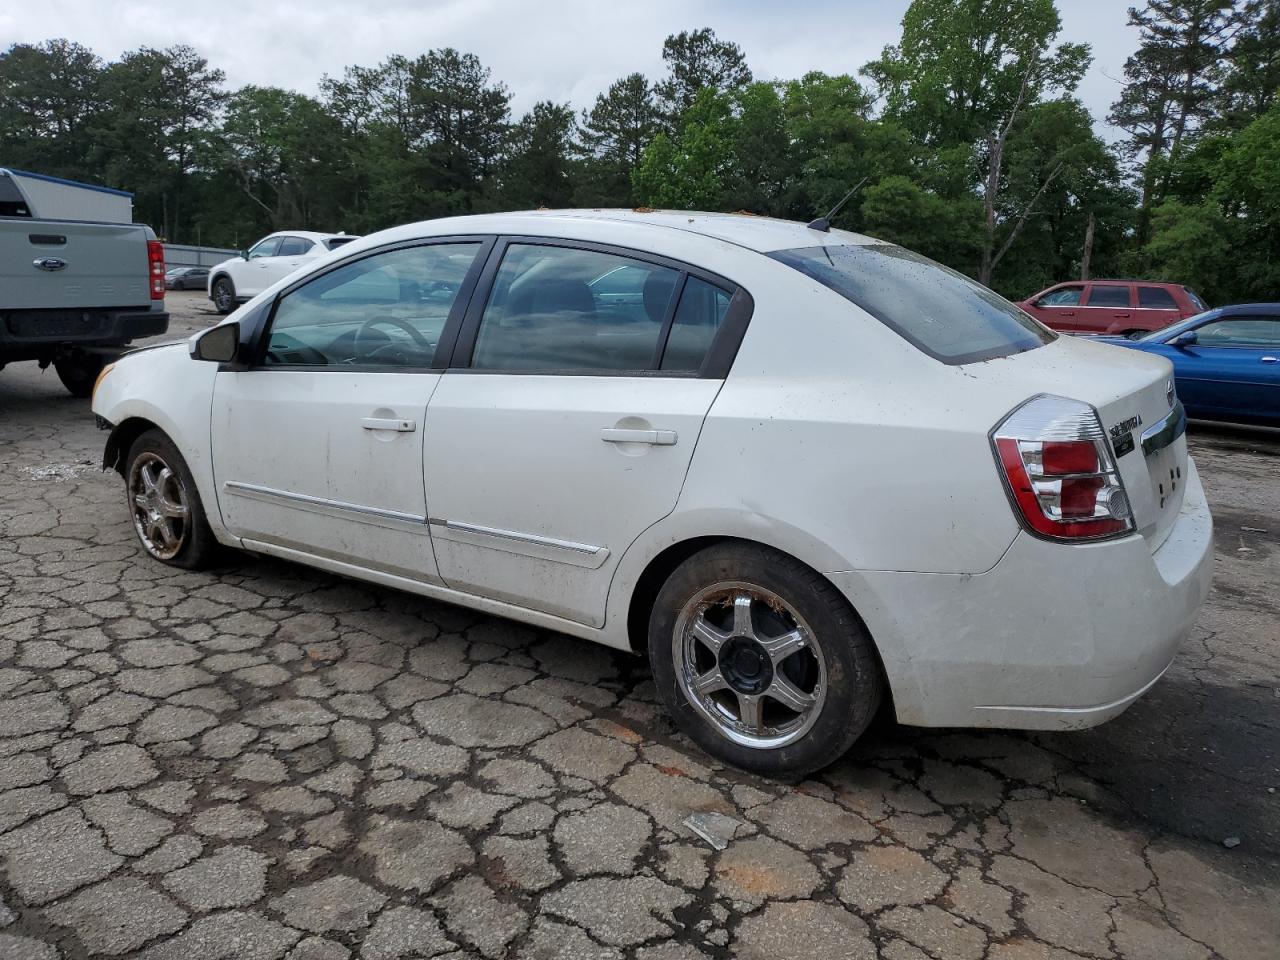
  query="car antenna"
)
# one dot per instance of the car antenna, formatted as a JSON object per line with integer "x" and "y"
{"x": 824, "y": 223}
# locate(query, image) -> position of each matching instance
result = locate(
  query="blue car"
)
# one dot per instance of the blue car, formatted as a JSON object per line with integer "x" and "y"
{"x": 1226, "y": 362}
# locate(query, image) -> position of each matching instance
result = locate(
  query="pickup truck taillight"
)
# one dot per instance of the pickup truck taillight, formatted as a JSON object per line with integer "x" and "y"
{"x": 1060, "y": 472}
{"x": 155, "y": 262}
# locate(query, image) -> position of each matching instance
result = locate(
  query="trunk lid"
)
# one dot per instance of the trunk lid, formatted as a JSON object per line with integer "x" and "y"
{"x": 1133, "y": 394}
{"x": 86, "y": 265}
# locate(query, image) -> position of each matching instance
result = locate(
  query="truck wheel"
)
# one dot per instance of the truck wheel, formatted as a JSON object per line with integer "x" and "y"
{"x": 78, "y": 372}
{"x": 224, "y": 294}
{"x": 761, "y": 661}
{"x": 168, "y": 516}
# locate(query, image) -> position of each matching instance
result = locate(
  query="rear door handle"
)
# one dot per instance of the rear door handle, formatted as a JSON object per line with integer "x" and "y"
{"x": 397, "y": 426}
{"x": 658, "y": 438}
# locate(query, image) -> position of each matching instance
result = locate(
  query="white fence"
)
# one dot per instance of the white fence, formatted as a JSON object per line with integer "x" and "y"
{"x": 183, "y": 255}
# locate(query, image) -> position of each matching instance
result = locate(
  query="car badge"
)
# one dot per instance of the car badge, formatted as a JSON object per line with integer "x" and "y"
{"x": 1168, "y": 392}
{"x": 1122, "y": 434}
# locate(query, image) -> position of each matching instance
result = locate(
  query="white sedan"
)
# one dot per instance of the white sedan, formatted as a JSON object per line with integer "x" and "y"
{"x": 806, "y": 472}
{"x": 267, "y": 262}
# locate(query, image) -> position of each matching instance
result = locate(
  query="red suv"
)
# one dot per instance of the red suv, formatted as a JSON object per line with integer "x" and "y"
{"x": 1113, "y": 306}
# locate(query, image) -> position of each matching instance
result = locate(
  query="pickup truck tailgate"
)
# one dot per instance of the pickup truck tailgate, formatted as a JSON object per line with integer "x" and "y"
{"x": 50, "y": 265}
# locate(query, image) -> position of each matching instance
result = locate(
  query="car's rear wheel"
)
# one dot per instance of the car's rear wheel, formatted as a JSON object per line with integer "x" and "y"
{"x": 78, "y": 372}
{"x": 224, "y": 294}
{"x": 165, "y": 506}
{"x": 761, "y": 661}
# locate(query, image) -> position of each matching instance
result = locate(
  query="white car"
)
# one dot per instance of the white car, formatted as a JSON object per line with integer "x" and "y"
{"x": 267, "y": 262}
{"x": 805, "y": 471}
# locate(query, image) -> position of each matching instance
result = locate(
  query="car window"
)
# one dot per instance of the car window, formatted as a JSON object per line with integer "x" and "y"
{"x": 293, "y": 247}
{"x": 1156, "y": 298}
{"x": 1195, "y": 299}
{"x": 1108, "y": 296}
{"x": 701, "y": 310}
{"x": 935, "y": 308}
{"x": 265, "y": 248}
{"x": 567, "y": 309}
{"x": 1062, "y": 297}
{"x": 387, "y": 310}
{"x": 1240, "y": 332}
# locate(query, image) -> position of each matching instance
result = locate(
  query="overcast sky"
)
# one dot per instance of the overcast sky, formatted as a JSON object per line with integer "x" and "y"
{"x": 568, "y": 50}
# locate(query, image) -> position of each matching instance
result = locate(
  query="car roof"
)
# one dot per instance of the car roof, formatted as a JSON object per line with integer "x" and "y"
{"x": 762, "y": 234}
{"x": 308, "y": 234}
{"x": 1265, "y": 309}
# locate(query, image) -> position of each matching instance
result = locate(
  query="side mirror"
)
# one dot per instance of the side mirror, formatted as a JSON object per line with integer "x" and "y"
{"x": 244, "y": 254}
{"x": 1187, "y": 338}
{"x": 218, "y": 345}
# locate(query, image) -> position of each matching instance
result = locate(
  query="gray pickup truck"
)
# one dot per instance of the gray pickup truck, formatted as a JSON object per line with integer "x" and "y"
{"x": 74, "y": 292}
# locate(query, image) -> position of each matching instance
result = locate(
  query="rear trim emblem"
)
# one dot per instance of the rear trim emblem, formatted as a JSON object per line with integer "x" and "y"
{"x": 1122, "y": 435}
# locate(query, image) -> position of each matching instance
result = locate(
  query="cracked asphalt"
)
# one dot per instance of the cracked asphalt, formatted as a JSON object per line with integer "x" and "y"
{"x": 266, "y": 761}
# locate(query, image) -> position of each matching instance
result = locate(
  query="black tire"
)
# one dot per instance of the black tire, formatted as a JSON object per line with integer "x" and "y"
{"x": 853, "y": 686}
{"x": 79, "y": 372}
{"x": 197, "y": 548}
{"x": 223, "y": 294}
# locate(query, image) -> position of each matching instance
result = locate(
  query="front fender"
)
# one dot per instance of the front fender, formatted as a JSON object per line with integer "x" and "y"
{"x": 167, "y": 388}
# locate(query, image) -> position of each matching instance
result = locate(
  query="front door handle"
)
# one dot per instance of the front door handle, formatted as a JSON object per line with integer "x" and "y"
{"x": 396, "y": 426}
{"x": 658, "y": 438}
{"x": 1271, "y": 359}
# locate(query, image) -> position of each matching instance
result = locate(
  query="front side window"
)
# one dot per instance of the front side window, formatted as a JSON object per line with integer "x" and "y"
{"x": 1156, "y": 298}
{"x": 573, "y": 310}
{"x": 934, "y": 308}
{"x": 1240, "y": 332}
{"x": 293, "y": 247}
{"x": 266, "y": 248}
{"x": 1108, "y": 296}
{"x": 387, "y": 310}
{"x": 1062, "y": 297}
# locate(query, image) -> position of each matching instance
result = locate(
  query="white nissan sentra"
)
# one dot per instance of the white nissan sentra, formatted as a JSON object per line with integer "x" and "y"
{"x": 806, "y": 472}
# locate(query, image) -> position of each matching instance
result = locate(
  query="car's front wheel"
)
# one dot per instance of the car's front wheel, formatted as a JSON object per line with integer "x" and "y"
{"x": 761, "y": 661}
{"x": 164, "y": 504}
{"x": 224, "y": 294}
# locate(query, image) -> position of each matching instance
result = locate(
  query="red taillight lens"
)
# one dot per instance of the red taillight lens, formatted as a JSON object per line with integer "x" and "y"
{"x": 1060, "y": 471}
{"x": 155, "y": 262}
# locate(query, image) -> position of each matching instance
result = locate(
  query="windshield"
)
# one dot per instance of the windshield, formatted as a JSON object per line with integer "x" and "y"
{"x": 1171, "y": 331}
{"x": 941, "y": 312}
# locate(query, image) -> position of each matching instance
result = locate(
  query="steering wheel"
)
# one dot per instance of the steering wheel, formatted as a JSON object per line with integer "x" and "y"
{"x": 403, "y": 325}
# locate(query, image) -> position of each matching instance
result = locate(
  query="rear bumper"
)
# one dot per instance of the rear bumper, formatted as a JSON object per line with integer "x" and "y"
{"x": 1053, "y": 637}
{"x": 33, "y": 333}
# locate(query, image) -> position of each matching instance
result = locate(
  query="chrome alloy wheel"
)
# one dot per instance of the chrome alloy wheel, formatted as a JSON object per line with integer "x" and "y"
{"x": 749, "y": 663}
{"x": 159, "y": 506}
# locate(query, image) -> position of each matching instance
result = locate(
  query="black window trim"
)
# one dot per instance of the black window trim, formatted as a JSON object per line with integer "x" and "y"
{"x": 715, "y": 365}
{"x": 255, "y": 329}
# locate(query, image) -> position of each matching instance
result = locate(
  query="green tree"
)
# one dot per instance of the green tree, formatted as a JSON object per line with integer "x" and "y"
{"x": 962, "y": 65}
{"x": 1252, "y": 79}
{"x": 538, "y": 171}
{"x": 613, "y": 135}
{"x": 50, "y": 94}
{"x": 698, "y": 60}
{"x": 694, "y": 169}
{"x": 1169, "y": 85}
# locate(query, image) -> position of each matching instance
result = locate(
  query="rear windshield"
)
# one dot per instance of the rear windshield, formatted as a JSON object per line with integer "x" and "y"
{"x": 1195, "y": 299}
{"x": 333, "y": 243}
{"x": 11, "y": 202}
{"x": 940, "y": 311}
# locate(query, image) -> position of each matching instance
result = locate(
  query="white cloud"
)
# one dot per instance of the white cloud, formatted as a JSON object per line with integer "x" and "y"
{"x": 568, "y": 50}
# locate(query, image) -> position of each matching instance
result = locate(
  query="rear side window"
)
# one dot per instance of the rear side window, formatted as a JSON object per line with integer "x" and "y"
{"x": 936, "y": 309}
{"x": 1156, "y": 298}
{"x": 572, "y": 310}
{"x": 293, "y": 247}
{"x": 1100, "y": 296}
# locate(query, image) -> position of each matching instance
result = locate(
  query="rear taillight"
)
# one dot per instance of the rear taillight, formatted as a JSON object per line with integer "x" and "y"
{"x": 155, "y": 263}
{"x": 1060, "y": 472}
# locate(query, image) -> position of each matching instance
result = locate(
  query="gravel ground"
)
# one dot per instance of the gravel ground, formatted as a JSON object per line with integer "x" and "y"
{"x": 266, "y": 761}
